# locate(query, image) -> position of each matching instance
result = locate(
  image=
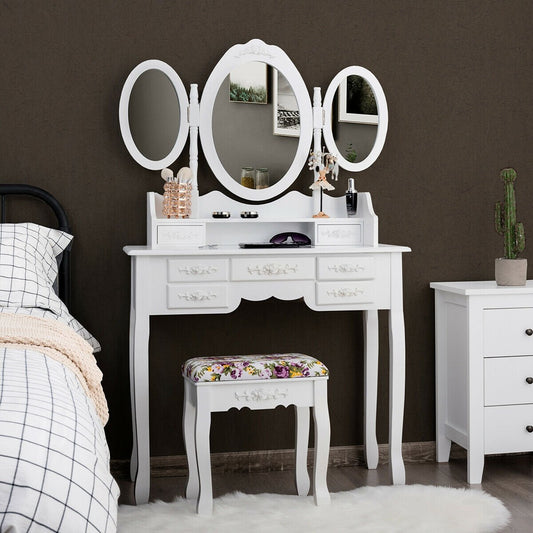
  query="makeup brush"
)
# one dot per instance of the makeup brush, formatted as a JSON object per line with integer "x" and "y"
{"x": 167, "y": 175}
{"x": 184, "y": 175}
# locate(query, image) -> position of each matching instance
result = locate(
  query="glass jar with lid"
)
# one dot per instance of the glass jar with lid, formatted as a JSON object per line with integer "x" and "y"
{"x": 262, "y": 178}
{"x": 247, "y": 177}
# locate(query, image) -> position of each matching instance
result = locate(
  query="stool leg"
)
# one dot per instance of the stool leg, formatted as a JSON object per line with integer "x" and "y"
{"x": 189, "y": 420}
{"x": 204, "y": 505}
{"x": 302, "y": 441}
{"x": 322, "y": 437}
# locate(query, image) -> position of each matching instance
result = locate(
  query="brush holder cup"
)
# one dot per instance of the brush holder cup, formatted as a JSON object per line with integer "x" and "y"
{"x": 177, "y": 200}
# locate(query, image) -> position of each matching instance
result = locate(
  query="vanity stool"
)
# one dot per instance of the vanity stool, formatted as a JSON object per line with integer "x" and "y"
{"x": 216, "y": 384}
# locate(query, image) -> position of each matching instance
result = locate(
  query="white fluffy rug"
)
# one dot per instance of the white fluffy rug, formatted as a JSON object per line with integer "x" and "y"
{"x": 384, "y": 509}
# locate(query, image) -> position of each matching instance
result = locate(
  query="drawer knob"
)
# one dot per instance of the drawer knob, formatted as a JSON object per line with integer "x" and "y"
{"x": 529, "y": 429}
{"x": 529, "y": 380}
{"x": 529, "y": 332}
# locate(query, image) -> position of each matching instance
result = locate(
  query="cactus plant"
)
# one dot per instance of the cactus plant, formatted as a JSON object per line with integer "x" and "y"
{"x": 505, "y": 217}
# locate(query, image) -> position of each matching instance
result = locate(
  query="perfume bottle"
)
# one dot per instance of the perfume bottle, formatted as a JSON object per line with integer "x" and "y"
{"x": 351, "y": 198}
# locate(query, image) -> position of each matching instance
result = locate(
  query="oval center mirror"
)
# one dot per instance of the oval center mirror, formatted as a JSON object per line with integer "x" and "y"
{"x": 255, "y": 121}
{"x": 256, "y": 125}
{"x": 356, "y": 118}
{"x": 152, "y": 113}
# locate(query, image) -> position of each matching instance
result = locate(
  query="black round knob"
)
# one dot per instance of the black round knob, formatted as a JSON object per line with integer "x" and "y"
{"x": 529, "y": 332}
{"x": 529, "y": 379}
{"x": 529, "y": 429}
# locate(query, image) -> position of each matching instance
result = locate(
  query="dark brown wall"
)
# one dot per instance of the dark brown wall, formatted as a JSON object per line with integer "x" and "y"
{"x": 458, "y": 78}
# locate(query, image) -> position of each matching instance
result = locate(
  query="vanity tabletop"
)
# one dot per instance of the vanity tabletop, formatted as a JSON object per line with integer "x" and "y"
{"x": 234, "y": 249}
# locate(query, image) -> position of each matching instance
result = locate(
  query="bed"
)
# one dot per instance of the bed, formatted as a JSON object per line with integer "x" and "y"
{"x": 54, "y": 458}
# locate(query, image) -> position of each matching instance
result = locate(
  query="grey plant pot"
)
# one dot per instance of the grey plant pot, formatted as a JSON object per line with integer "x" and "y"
{"x": 510, "y": 272}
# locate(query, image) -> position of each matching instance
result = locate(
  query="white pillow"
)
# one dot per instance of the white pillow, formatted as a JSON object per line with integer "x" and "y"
{"x": 28, "y": 270}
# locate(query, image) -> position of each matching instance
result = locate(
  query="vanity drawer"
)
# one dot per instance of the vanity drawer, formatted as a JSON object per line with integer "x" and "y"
{"x": 356, "y": 267}
{"x": 272, "y": 268}
{"x": 332, "y": 234}
{"x": 193, "y": 296}
{"x": 348, "y": 292}
{"x": 504, "y": 332}
{"x": 197, "y": 270}
{"x": 186, "y": 234}
{"x": 505, "y": 380}
{"x": 505, "y": 429}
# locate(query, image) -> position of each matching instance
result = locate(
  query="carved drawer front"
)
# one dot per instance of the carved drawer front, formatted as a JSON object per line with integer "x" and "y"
{"x": 355, "y": 267}
{"x": 509, "y": 429}
{"x": 186, "y": 234}
{"x": 508, "y": 332}
{"x": 261, "y": 394}
{"x": 193, "y": 296}
{"x": 348, "y": 292}
{"x": 197, "y": 270}
{"x": 332, "y": 234}
{"x": 508, "y": 380}
{"x": 272, "y": 268}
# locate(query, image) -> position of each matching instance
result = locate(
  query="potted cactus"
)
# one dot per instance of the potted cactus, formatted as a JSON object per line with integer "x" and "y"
{"x": 509, "y": 269}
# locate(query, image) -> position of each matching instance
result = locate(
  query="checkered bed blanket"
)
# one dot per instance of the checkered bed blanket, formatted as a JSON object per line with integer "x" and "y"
{"x": 54, "y": 459}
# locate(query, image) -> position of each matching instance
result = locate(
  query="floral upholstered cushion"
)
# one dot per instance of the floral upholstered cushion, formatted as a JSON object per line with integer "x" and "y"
{"x": 239, "y": 367}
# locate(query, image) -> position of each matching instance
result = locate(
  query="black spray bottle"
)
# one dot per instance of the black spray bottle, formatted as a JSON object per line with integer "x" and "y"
{"x": 351, "y": 198}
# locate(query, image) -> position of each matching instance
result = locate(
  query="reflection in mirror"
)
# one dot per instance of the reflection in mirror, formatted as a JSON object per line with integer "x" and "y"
{"x": 354, "y": 119}
{"x": 154, "y": 114}
{"x": 247, "y": 135}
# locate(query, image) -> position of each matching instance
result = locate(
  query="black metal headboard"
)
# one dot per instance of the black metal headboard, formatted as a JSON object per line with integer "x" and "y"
{"x": 30, "y": 190}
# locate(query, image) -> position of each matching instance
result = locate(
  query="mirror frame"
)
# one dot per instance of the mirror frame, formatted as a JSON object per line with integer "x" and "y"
{"x": 383, "y": 121}
{"x": 183, "y": 102}
{"x": 255, "y": 50}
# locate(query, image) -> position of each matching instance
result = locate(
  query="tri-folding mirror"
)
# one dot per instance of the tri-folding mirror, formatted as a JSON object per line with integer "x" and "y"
{"x": 255, "y": 119}
{"x": 153, "y": 114}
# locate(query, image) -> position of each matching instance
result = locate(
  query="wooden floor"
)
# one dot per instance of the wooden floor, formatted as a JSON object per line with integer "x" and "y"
{"x": 509, "y": 478}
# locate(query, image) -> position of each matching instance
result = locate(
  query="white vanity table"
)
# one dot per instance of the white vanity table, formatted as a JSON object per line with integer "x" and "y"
{"x": 195, "y": 266}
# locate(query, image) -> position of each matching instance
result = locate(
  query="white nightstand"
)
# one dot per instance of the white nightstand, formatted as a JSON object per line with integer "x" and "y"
{"x": 484, "y": 370}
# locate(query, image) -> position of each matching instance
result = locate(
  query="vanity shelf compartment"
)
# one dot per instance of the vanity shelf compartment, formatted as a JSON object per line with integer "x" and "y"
{"x": 293, "y": 213}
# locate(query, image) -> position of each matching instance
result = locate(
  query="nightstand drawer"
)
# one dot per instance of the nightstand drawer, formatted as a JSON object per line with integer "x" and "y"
{"x": 347, "y": 292}
{"x": 355, "y": 267}
{"x": 505, "y": 429}
{"x": 505, "y": 380}
{"x": 197, "y": 270}
{"x": 195, "y": 296}
{"x": 272, "y": 268}
{"x": 505, "y": 332}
